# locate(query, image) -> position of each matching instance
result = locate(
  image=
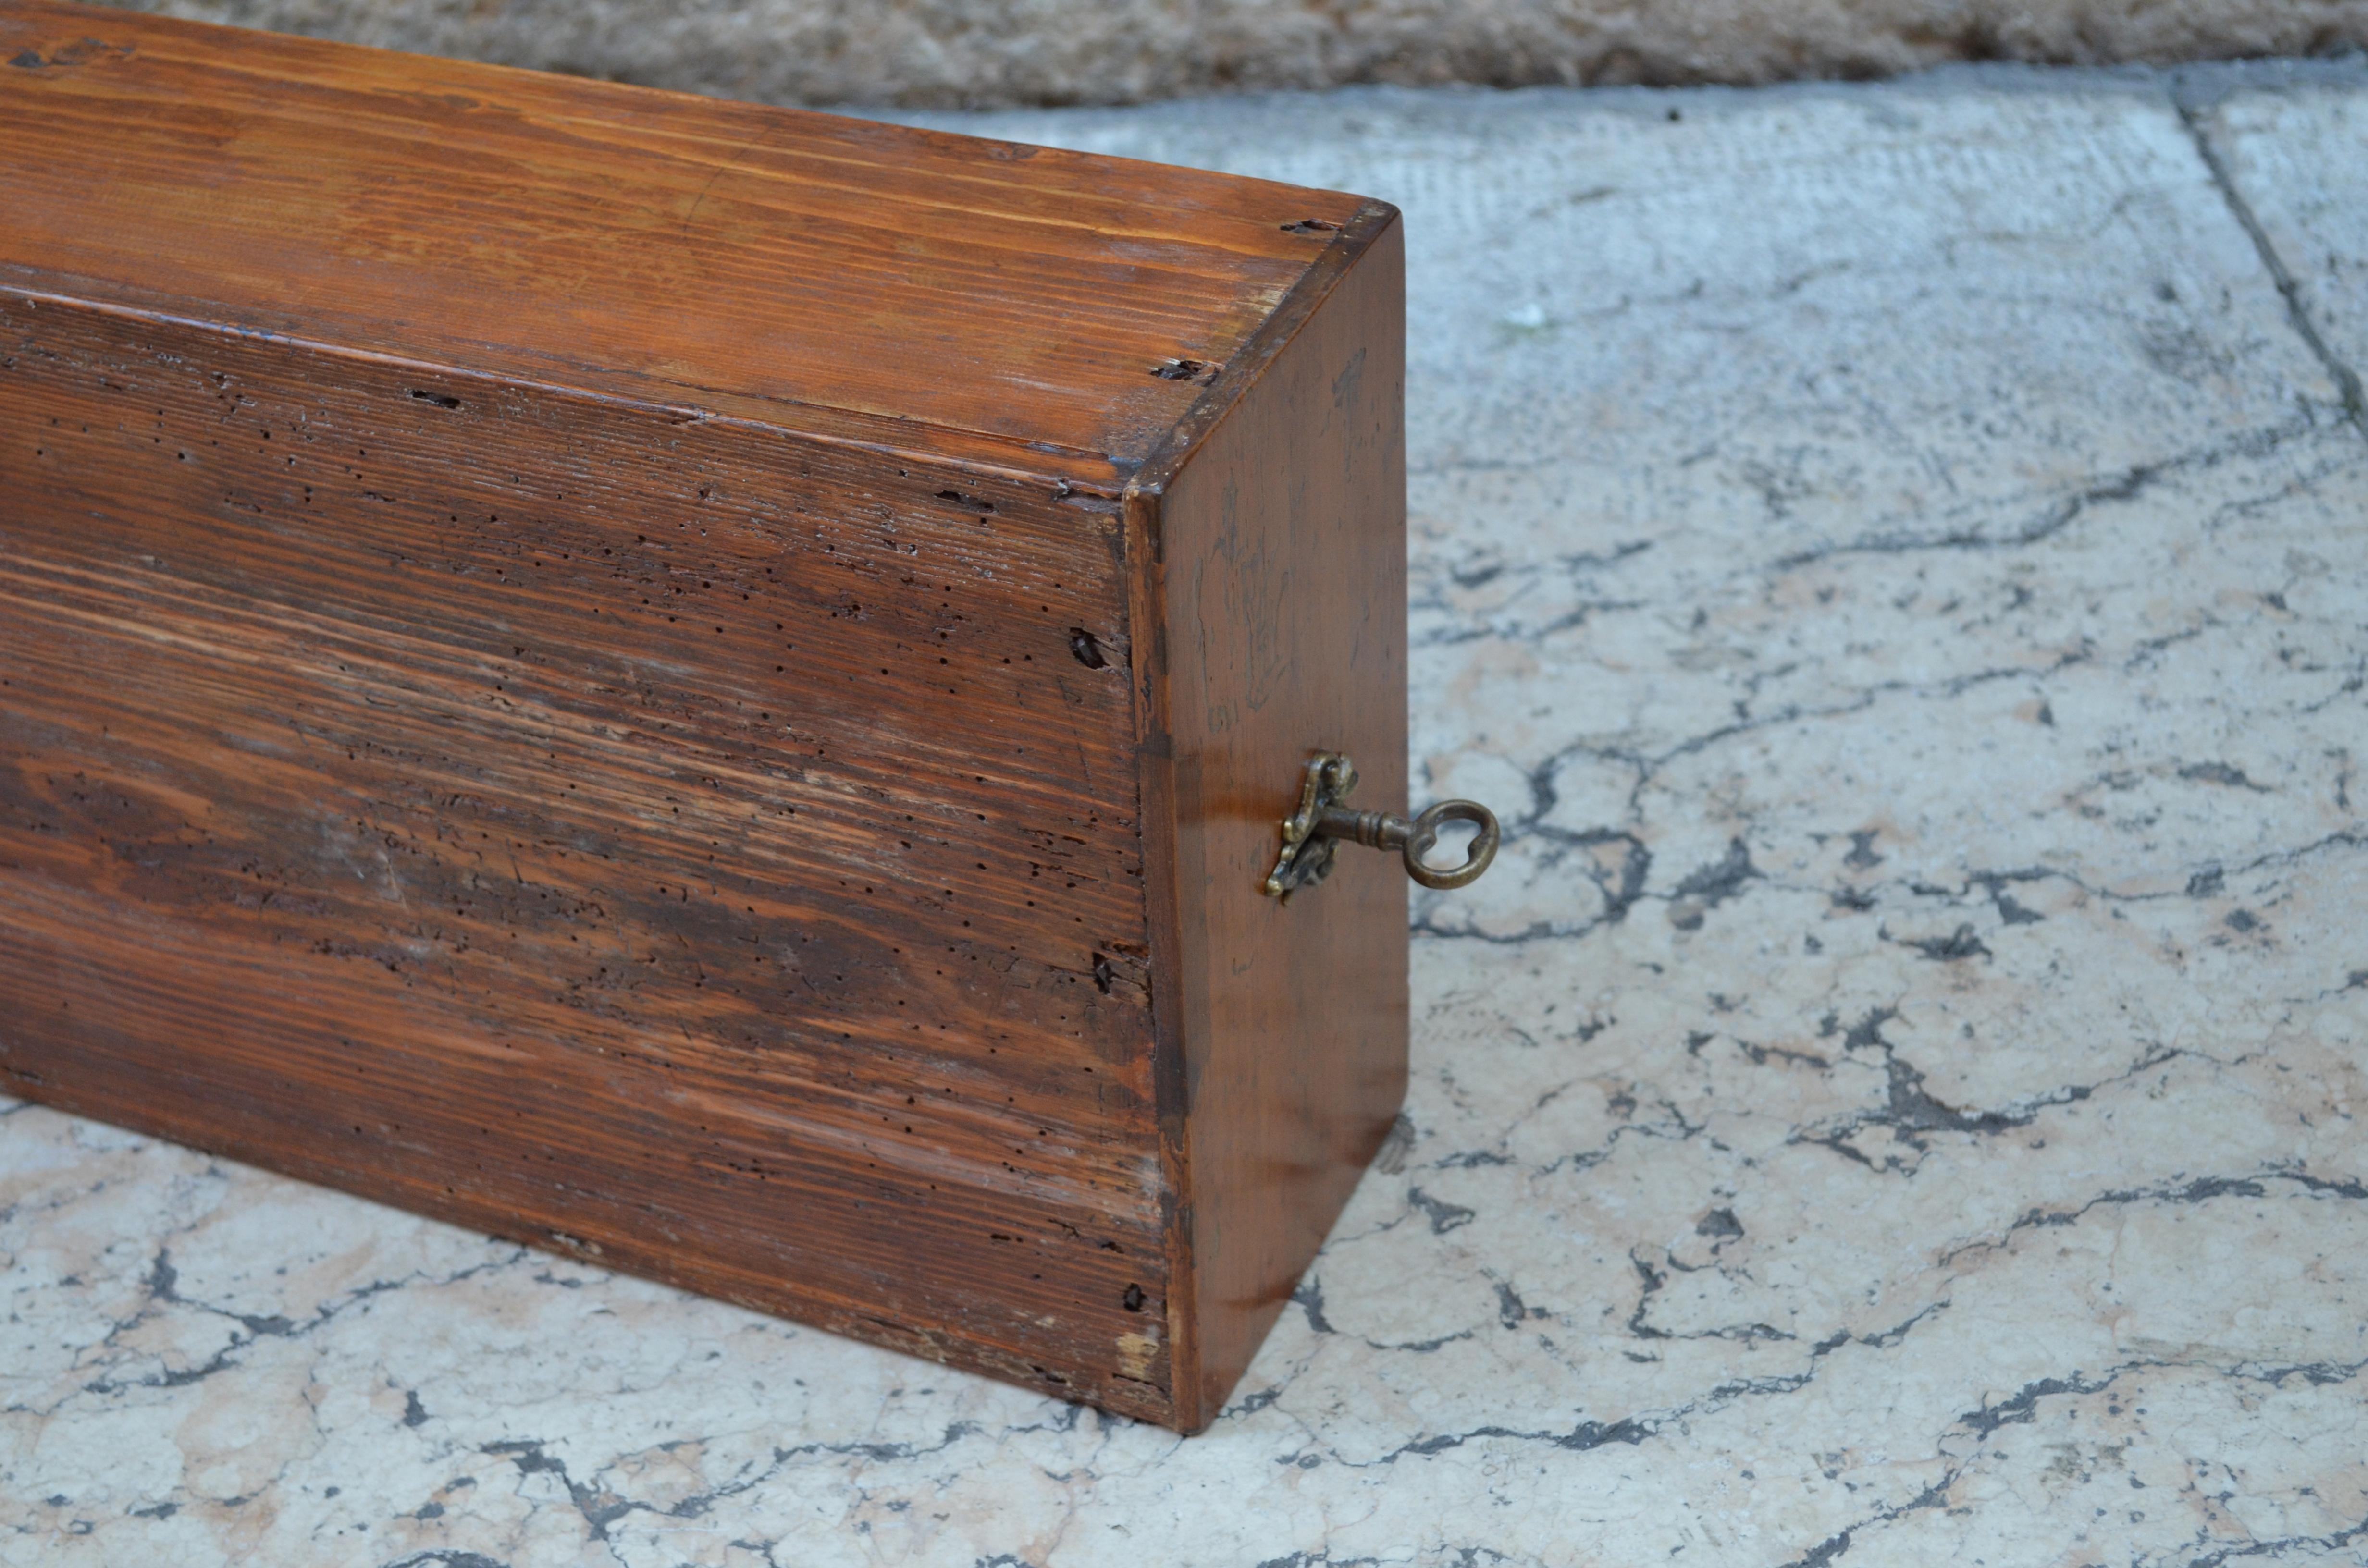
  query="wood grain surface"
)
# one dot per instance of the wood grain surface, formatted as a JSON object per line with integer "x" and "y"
{"x": 597, "y": 665}
{"x": 1278, "y": 580}
{"x": 832, "y": 274}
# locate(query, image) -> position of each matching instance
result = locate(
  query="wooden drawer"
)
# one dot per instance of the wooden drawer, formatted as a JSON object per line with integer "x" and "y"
{"x": 704, "y": 686}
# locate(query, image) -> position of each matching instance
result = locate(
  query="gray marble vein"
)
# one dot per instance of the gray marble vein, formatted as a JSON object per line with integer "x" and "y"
{"x": 1897, "y": 557}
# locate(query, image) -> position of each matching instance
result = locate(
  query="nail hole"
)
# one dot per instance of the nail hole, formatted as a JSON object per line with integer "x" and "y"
{"x": 1133, "y": 1300}
{"x": 1088, "y": 651}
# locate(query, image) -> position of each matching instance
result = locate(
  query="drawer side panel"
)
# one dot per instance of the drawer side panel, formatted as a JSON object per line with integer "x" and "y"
{"x": 668, "y": 841}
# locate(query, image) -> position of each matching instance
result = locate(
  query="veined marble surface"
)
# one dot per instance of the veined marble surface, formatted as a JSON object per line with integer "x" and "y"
{"x": 1897, "y": 557}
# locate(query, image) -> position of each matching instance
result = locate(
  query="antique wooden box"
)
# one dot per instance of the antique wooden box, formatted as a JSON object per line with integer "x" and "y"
{"x": 703, "y": 686}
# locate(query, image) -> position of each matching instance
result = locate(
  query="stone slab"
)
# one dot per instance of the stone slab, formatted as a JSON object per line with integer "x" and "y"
{"x": 1894, "y": 559}
{"x": 2293, "y": 150}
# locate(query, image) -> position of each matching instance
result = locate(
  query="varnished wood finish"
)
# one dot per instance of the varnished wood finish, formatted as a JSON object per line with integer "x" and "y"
{"x": 643, "y": 674}
{"x": 1273, "y": 553}
{"x": 832, "y": 275}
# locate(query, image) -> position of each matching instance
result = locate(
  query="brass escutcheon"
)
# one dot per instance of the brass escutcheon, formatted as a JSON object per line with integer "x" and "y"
{"x": 1321, "y": 821}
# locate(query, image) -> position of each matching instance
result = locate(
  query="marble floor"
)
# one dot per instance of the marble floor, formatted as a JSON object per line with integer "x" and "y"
{"x": 1897, "y": 555}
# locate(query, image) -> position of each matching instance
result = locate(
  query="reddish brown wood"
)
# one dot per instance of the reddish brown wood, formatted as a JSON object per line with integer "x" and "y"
{"x": 1274, "y": 529}
{"x": 700, "y": 685}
